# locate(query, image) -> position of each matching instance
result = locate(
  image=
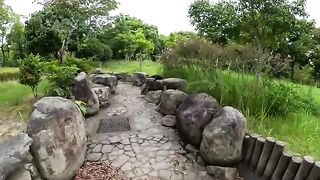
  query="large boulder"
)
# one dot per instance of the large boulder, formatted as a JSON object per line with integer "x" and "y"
{"x": 153, "y": 85}
{"x": 103, "y": 94}
{"x": 222, "y": 139}
{"x": 170, "y": 101}
{"x": 175, "y": 83}
{"x": 194, "y": 114}
{"x": 14, "y": 154}
{"x": 153, "y": 96}
{"x": 139, "y": 78}
{"x": 83, "y": 92}
{"x": 106, "y": 80}
{"x": 59, "y": 137}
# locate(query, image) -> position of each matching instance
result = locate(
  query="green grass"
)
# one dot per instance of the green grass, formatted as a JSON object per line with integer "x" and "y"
{"x": 8, "y": 70}
{"x": 13, "y": 93}
{"x": 148, "y": 66}
{"x": 299, "y": 127}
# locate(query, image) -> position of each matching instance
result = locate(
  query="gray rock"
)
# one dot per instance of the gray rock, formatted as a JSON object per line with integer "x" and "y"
{"x": 14, "y": 153}
{"x": 122, "y": 76}
{"x": 175, "y": 83}
{"x": 168, "y": 121}
{"x": 83, "y": 92}
{"x": 222, "y": 173}
{"x": 97, "y": 71}
{"x": 139, "y": 78}
{"x": 222, "y": 138}
{"x": 153, "y": 96}
{"x": 170, "y": 101}
{"x": 153, "y": 85}
{"x": 21, "y": 174}
{"x": 194, "y": 114}
{"x": 59, "y": 137}
{"x": 103, "y": 94}
{"x": 107, "y": 80}
{"x": 191, "y": 149}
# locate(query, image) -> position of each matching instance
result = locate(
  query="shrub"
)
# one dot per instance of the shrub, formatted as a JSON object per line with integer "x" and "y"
{"x": 61, "y": 78}
{"x": 9, "y": 76}
{"x": 231, "y": 57}
{"x": 30, "y": 72}
{"x": 83, "y": 65}
{"x": 93, "y": 48}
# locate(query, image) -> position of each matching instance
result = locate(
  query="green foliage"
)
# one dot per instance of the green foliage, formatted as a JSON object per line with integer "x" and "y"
{"x": 9, "y": 76}
{"x": 82, "y": 106}
{"x": 233, "y": 57}
{"x": 61, "y": 78}
{"x": 271, "y": 97}
{"x": 93, "y": 48}
{"x": 30, "y": 72}
{"x": 174, "y": 39}
{"x": 128, "y": 37}
{"x": 16, "y": 41}
{"x": 83, "y": 65}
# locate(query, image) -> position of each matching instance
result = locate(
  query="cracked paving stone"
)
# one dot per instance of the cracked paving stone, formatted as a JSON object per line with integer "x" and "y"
{"x": 116, "y": 153}
{"x": 127, "y": 148}
{"x": 125, "y": 142}
{"x": 138, "y": 172}
{"x": 165, "y": 174}
{"x": 94, "y": 156}
{"x": 107, "y": 148}
{"x": 97, "y": 148}
{"x": 115, "y": 139}
{"x": 127, "y": 166}
{"x": 120, "y": 146}
{"x": 130, "y": 154}
{"x": 120, "y": 161}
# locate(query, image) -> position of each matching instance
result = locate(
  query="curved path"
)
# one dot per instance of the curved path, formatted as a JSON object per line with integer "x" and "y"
{"x": 148, "y": 150}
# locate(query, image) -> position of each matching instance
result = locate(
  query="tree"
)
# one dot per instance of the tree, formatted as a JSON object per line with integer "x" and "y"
{"x": 6, "y": 17}
{"x": 263, "y": 23}
{"x": 16, "y": 41}
{"x": 218, "y": 22}
{"x": 65, "y": 23}
{"x": 30, "y": 72}
{"x": 128, "y": 36}
{"x": 174, "y": 38}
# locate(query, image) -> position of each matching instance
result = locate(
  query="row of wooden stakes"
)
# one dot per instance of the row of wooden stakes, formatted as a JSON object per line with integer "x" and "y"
{"x": 267, "y": 157}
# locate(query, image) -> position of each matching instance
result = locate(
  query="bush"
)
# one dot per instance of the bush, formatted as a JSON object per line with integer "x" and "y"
{"x": 61, "y": 78}
{"x": 83, "y": 65}
{"x": 30, "y": 72}
{"x": 93, "y": 48}
{"x": 9, "y": 76}
{"x": 231, "y": 57}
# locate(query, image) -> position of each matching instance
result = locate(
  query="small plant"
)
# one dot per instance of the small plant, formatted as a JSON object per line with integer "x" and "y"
{"x": 82, "y": 106}
{"x": 30, "y": 72}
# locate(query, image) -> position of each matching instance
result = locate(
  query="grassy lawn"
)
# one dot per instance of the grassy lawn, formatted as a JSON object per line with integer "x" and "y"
{"x": 149, "y": 67}
{"x": 16, "y": 102}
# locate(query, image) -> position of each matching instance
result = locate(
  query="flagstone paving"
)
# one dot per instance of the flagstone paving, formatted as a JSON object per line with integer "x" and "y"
{"x": 148, "y": 150}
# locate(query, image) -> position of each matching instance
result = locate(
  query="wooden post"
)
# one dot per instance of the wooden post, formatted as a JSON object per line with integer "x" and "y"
{"x": 252, "y": 141}
{"x": 315, "y": 172}
{"x": 274, "y": 159}
{"x": 304, "y": 168}
{"x": 282, "y": 166}
{"x": 245, "y": 146}
{"x": 257, "y": 152}
{"x": 292, "y": 168}
{"x": 265, "y": 155}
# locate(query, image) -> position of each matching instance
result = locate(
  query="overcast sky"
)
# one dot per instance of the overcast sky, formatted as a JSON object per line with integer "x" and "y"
{"x": 168, "y": 15}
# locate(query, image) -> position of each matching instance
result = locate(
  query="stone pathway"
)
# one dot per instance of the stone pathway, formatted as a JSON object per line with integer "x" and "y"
{"x": 148, "y": 150}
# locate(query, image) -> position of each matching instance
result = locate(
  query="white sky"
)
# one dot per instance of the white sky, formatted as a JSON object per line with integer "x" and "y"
{"x": 168, "y": 15}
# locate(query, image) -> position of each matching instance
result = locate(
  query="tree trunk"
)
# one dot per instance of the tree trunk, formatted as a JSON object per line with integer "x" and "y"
{"x": 292, "y": 69}
{"x": 3, "y": 56}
